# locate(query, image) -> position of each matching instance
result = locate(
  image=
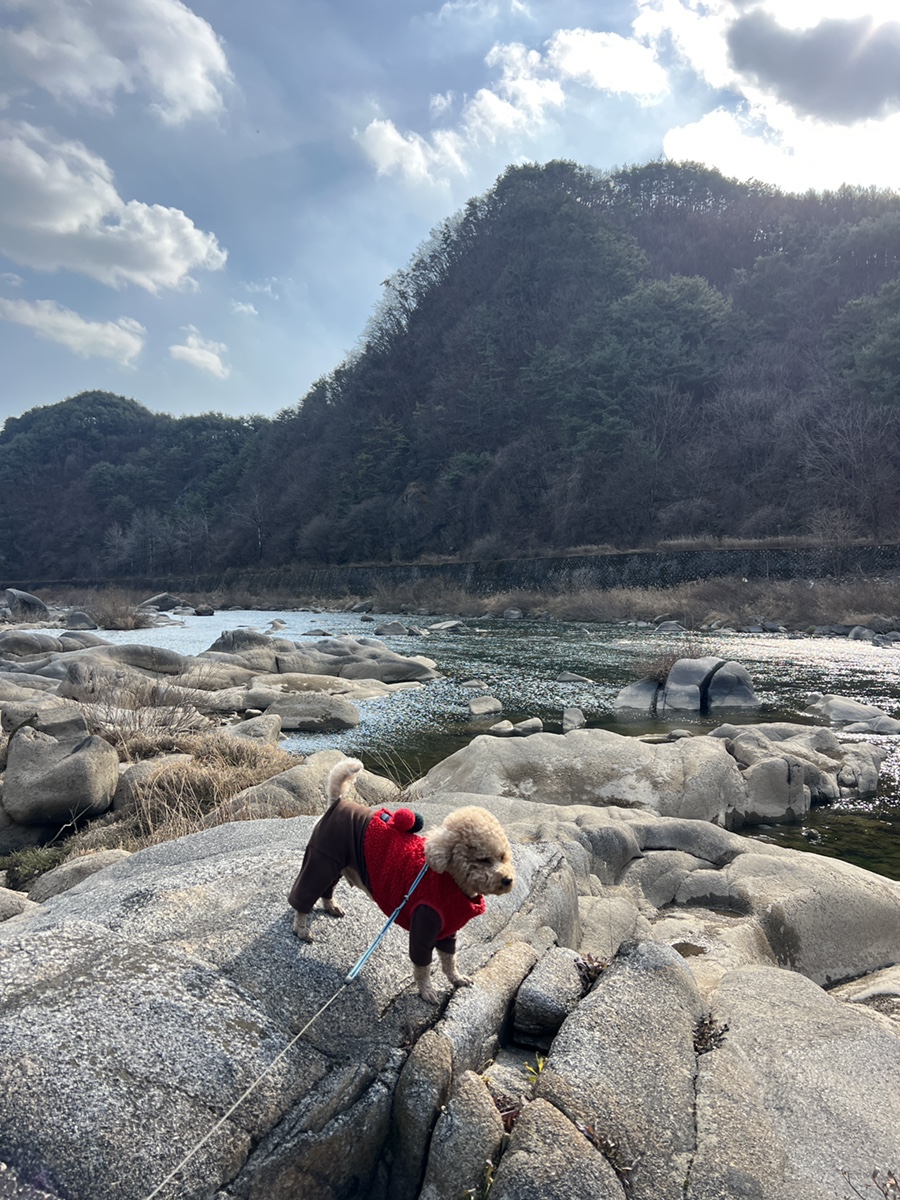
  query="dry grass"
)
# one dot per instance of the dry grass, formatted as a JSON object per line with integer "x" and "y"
{"x": 175, "y": 799}
{"x": 115, "y": 608}
{"x": 658, "y": 666}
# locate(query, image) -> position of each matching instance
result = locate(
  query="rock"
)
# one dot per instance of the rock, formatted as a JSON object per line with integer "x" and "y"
{"x": 11, "y": 905}
{"x": 788, "y": 1051}
{"x": 422, "y": 1092}
{"x": 485, "y": 706}
{"x": 25, "y": 607}
{"x": 165, "y": 602}
{"x": 840, "y": 710}
{"x": 693, "y": 777}
{"x": 204, "y": 610}
{"x": 859, "y": 633}
{"x": 606, "y": 922}
{"x": 52, "y": 782}
{"x": 312, "y": 713}
{"x": 548, "y": 1158}
{"x": 546, "y": 998}
{"x": 179, "y": 991}
{"x": 623, "y": 1065}
{"x": 465, "y": 1141}
{"x": 183, "y": 983}
{"x": 670, "y": 627}
{"x": 57, "y": 718}
{"x": 25, "y": 643}
{"x": 392, "y": 628}
{"x": 448, "y": 627}
{"x": 503, "y": 729}
{"x": 135, "y": 777}
{"x": 571, "y": 677}
{"x": 80, "y": 620}
{"x": 72, "y": 872}
{"x": 528, "y": 727}
{"x": 265, "y": 729}
{"x": 643, "y": 695}
{"x": 513, "y": 614}
{"x": 573, "y": 718}
{"x": 300, "y": 790}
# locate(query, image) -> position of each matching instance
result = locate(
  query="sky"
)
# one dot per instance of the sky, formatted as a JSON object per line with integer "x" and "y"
{"x": 200, "y": 202}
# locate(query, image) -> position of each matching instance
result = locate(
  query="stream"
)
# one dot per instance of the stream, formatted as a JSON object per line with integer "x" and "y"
{"x": 519, "y": 660}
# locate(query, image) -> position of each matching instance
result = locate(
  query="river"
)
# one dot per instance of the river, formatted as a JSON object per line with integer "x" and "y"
{"x": 519, "y": 661}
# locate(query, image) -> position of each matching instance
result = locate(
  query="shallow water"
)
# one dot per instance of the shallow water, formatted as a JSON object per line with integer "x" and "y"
{"x": 519, "y": 662}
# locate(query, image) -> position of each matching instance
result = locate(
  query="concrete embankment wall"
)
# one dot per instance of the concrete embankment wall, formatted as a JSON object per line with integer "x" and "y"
{"x": 635, "y": 569}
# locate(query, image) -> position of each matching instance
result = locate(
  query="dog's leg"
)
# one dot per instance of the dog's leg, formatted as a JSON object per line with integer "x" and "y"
{"x": 448, "y": 966}
{"x": 422, "y": 976}
{"x": 301, "y": 928}
{"x": 301, "y": 919}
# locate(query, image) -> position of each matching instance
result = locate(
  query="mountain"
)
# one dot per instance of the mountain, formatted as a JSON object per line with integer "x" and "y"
{"x": 577, "y": 358}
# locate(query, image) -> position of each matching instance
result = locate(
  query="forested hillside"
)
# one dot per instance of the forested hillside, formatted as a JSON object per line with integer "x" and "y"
{"x": 575, "y": 359}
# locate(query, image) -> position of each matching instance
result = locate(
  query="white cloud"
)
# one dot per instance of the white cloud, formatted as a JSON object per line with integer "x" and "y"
{"x": 10, "y": 279}
{"x": 61, "y": 211}
{"x": 266, "y": 288}
{"x": 517, "y": 104}
{"x": 121, "y": 340}
{"x": 482, "y": 12}
{"x": 759, "y": 135}
{"x": 440, "y": 103}
{"x": 529, "y": 89}
{"x": 89, "y": 50}
{"x": 206, "y": 356}
{"x": 607, "y": 62}
{"x": 242, "y": 309}
{"x": 772, "y": 144}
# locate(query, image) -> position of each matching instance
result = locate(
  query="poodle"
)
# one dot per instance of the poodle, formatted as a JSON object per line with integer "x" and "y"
{"x": 468, "y": 856}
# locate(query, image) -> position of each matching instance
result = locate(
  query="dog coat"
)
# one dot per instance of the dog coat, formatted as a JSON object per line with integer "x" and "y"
{"x": 394, "y": 856}
{"x": 387, "y": 855}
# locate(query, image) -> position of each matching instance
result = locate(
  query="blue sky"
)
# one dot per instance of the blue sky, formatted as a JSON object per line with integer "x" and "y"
{"x": 199, "y": 203}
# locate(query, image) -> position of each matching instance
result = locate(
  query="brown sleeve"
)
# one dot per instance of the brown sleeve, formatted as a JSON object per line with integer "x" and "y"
{"x": 423, "y": 933}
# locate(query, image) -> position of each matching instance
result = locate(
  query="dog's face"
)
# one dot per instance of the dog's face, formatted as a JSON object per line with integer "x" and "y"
{"x": 472, "y": 848}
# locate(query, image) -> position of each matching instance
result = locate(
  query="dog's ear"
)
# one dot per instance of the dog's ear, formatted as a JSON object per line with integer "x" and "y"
{"x": 439, "y": 848}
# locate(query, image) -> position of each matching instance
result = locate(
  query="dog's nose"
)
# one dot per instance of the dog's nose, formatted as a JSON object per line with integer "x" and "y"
{"x": 506, "y": 881}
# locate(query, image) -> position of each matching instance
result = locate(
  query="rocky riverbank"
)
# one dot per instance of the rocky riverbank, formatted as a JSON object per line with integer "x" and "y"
{"x": 662, "y": 1007}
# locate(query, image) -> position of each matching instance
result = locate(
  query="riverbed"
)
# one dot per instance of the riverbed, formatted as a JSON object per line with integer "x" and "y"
{"x": 519, "y": 662}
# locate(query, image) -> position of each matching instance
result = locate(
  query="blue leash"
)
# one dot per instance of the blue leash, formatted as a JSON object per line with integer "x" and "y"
{"x": 361, "y": 962}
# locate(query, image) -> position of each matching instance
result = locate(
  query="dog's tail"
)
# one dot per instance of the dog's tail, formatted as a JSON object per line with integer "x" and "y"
{"x": 341, "y": 776}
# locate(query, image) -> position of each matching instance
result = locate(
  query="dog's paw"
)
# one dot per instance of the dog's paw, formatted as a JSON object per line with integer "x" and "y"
{"x": 332, "y": 909}
{"x": 300, "y": 928}
{"x": 428, "y": 994}
{"x": 462, "y": 980}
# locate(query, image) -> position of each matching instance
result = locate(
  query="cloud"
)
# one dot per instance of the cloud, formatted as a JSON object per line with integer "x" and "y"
{"x": 528, "y": 91}
{"x": 11, "y": 279}
{"x": 839, "y": 70}
{"x": 89, "y": 50}
{"x": 607, "y": 62}
{"x": 207, "y": 356}
{"x": 242, "y": 309}
{"x": 61, "y": 211}
{"x": 481, "y": 12}
{"x": 794, "y": 153}
{"x": 121, "y": 340}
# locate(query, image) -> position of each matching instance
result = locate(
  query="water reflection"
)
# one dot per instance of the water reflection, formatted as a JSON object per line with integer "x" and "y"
{"x": 520, "y": 661}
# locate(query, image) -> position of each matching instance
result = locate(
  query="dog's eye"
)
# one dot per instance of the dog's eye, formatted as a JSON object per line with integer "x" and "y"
{"x": 486, "y": 861}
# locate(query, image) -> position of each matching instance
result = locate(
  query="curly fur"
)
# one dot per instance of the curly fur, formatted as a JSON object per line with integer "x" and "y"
{"x": 472, "y": 848}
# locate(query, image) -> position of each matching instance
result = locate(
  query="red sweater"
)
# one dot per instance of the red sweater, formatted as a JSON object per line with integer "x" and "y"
{"x": 394, "y": 858}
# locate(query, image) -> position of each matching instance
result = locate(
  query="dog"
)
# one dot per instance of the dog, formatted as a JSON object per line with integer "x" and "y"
{"x": 468, "y": 856}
